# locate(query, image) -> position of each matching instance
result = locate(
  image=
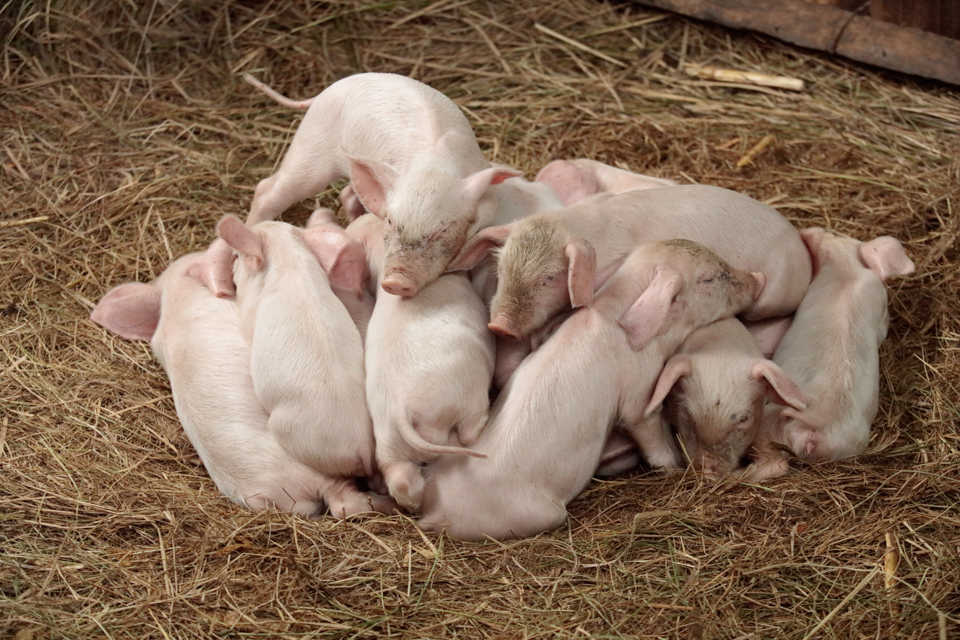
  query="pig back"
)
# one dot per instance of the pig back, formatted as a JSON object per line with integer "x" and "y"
{"x": 745, "y": 232}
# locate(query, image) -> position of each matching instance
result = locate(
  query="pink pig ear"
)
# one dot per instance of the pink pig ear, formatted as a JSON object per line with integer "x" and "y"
{"x": 885, "y": 257}
{"x": 580, "y": 273}
{"x": 371, "y": 181}
{"x": 812, "y": 237}
{"x": 676, "y": 367}
{"x": 645, "y": 319}
{"x": 214, "y": 269}
{"x": 340, "y": 256}
{"x": 131, "y": 311}
{"x": 479, "y": 246}
{"x": 781, "y": 389}
{"x": 245, "y": 240}
{"x": 474, "y": 186}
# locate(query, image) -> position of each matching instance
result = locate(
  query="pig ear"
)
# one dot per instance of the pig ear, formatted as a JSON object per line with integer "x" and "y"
{"x": 131, "y": 311}
{"x": 580, "y": 273}
{"x": 214, "y": 269}
{"x": 371, "y": 181}
{"x": 476, "y": 185}
{"x": 781, "y": 389}
{"x": 350, "y": 204}
{"x": 645, "y": 319}
{"x": 245, "y": 240}
{"x": 885, "y": 257}
{"x": 676, "y": 367}
{"x": 812, "y": 237}
{"x": 479, "y": 246}
{"x": 340, "y": 256}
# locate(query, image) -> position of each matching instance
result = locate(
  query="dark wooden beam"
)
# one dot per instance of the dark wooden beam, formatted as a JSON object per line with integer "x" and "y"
{"x": 830, "y": 29}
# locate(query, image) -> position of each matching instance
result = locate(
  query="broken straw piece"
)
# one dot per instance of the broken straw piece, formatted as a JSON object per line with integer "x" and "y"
{"x": 743, "y": 77}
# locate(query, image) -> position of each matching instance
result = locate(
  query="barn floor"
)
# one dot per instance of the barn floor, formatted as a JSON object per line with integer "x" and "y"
{"x": 127, "y": 132}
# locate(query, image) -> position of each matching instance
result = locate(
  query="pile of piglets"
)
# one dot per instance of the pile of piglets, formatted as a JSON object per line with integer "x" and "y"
{"x": 621, "y": 318}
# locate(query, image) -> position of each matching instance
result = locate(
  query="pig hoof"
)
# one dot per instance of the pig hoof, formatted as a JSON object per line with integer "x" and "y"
{"x": 399, "y": 285}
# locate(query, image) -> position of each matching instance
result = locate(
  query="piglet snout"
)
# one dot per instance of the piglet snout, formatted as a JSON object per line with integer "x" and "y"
{"x": 502, "y": 326}
{"x": 399, "y": 285}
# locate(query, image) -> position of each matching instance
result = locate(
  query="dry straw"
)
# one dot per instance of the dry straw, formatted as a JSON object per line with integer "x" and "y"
{"x": 126, "y": 132}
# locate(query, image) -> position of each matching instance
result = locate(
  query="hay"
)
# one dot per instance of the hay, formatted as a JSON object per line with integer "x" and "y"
{"x": 126, "y": 132}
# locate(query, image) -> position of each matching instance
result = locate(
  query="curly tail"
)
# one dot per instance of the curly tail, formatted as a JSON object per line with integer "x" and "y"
{"x": 410, "y": 435}
{"x": 287, "y": 102}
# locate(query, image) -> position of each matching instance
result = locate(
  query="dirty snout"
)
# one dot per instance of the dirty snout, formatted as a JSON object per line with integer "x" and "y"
{"x": 410, "y": 264}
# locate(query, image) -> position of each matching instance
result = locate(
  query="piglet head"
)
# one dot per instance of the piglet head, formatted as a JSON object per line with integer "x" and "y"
{"x": 540, "y": 272}
{"x": 429, "y": 215}
{"x": 715, "y": 404}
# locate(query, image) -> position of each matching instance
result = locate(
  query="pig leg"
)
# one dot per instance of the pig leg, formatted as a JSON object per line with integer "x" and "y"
{"x": 406, "y": 483}
{"x": 768, "y": 332}
{"x": 655, "y": 442}
{"x": 469, "y": 428}
{"x": 345, "y": 499}
{"x": 620, "y": 455}
{"x": 288, "y": 185}
{"x": 767, "y": 465}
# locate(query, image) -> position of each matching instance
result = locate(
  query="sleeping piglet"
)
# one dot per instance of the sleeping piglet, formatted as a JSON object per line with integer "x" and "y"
{"x": 306, "y": 353}
{"x": 832, "y": 351}
{"x": 197, "y": 338}
{"x": 542, "y": 256}
{"x": 574, "y": 180}
{"x": 429, "y": 360}
{"x": 549, "y": 426}
{"x": 412, "y": 159}
{"x": 715, "y": 388}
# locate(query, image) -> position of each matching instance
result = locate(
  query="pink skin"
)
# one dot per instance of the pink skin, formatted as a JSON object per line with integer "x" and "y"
{"x": 768, "y": 332}
{"x": 197, "y": 338}
{"x": 429, "y": 361}
{"x": 306, "y": 352}
{"x": 832, "y": 351}
{"x": 549, "y": 426}
{"x": 343, "y": 259}
{"x": 537, "y": 269}
{"x": 412, "y": 159}
{"x": 574, "y": 180}
{"x": 715, "y": 387}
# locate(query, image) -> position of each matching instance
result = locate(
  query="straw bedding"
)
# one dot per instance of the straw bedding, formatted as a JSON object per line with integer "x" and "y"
{"x": 126, "y": 133}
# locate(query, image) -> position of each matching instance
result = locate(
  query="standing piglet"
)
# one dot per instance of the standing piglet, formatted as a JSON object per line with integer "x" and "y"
{"x": 574, "y": 180}
{"x": 429, "y": 360}
{"x": 197, "y": 338}
{"x": 412, "y": 160}
{"x": 541, "y": 257}
{"x": 715, "y": 387}
{"x": 832, "y": 351}
{"x": 550, "y": 424}
{"x": 307, "y": 357}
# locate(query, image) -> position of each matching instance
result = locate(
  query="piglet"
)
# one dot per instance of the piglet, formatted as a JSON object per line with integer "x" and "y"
{"x": 412, "y": 159}
{"x": 715, "y": 387}
{"x": 550, "y": 424}
{"x": 574, "y": 180}
{"x": 542, "y": 257}
{"x": 306, "y": 353}
{"x": 429, "y": 360}
{"x": 197, "y": 338}
{"x": 832, "y": 351}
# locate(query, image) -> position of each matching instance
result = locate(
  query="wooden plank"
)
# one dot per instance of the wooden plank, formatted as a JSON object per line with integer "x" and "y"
{"x": 827, "y": 28}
